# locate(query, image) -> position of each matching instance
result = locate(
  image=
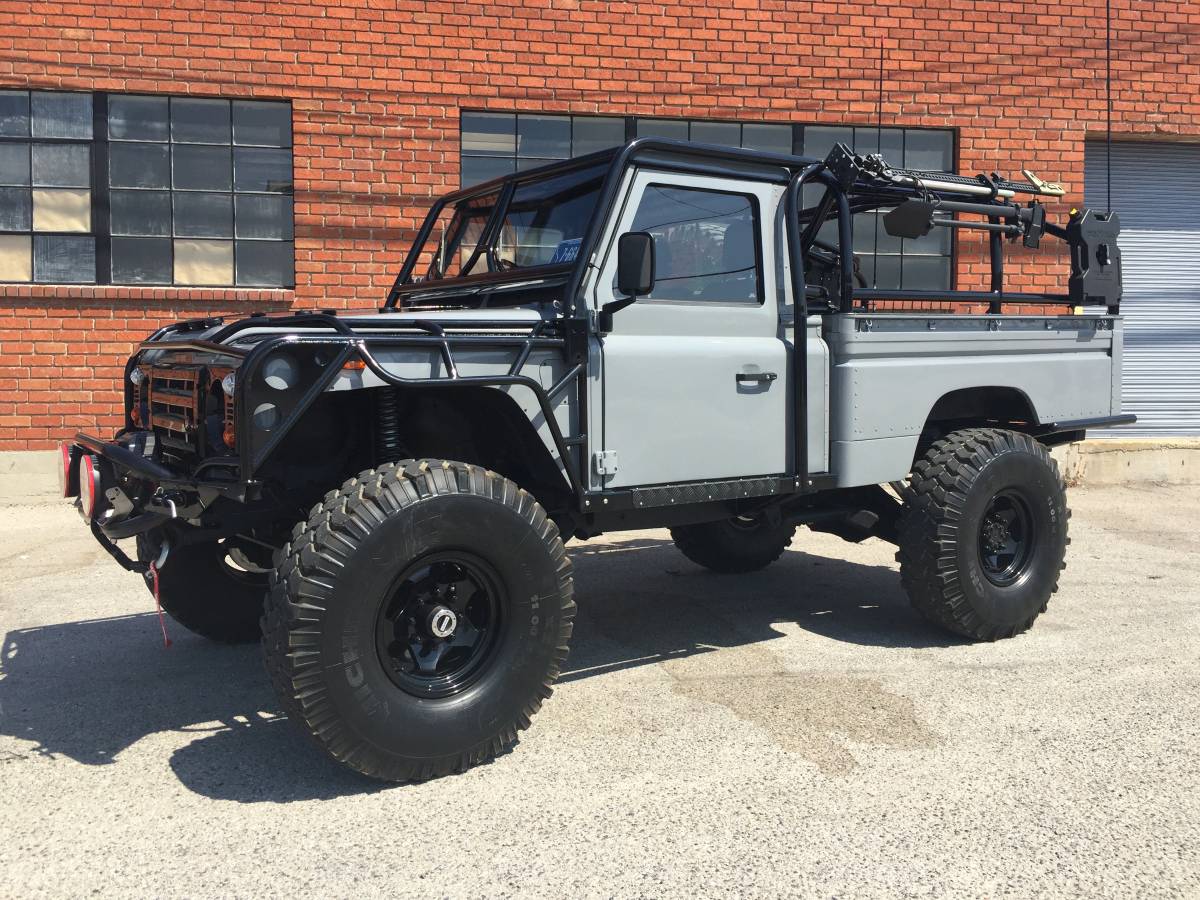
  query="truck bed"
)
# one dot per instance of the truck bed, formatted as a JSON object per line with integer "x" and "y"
{"x": 889, "y": 371}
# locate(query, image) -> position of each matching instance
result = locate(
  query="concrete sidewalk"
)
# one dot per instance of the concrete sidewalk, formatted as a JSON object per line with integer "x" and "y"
{"x": 1110, "y": 462}
{"x": 28, "y": 476}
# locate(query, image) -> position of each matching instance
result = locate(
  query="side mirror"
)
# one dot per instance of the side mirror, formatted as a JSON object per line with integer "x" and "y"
{"x": 635, "y": 263}
{"x": 635, "y": 273}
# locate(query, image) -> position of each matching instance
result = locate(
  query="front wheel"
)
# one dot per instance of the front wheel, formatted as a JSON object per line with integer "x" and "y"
{"x": 983, "y": 533}
{"x": 418, "y": 618}
{"x": 213, "y": 589}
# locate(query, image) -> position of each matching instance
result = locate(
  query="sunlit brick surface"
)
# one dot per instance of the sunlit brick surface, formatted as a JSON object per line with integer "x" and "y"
{"x": 377, "y": 89}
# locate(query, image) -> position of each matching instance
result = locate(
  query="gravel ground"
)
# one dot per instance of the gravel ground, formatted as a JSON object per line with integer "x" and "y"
{"x": 796, "y": 732}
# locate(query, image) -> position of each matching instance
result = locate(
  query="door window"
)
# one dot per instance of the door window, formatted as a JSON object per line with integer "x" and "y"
{"x": 706, "y": 244}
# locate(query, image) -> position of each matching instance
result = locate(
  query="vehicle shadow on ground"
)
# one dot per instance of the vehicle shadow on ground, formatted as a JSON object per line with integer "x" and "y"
{"x": 667, "y": 607}
{"x": 89, "y": 690}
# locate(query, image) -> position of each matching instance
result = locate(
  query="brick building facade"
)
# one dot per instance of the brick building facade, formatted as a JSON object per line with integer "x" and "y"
{"x": 378, "y": 92}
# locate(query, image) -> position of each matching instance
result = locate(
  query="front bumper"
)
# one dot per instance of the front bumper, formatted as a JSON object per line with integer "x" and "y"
{"x": 133, "y": 491}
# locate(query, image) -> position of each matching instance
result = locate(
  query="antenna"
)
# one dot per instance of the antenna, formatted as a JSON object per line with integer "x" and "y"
{"x": 879, "y": 150}
{"x": 1108, "y": 100}
{"x": 879, "y": 103}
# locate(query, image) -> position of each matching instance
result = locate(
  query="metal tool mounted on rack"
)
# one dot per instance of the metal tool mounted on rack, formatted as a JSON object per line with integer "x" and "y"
{"x": 918, "y": 201}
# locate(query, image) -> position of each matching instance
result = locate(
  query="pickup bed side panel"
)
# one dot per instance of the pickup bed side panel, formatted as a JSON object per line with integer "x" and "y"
{"x": 888, "y": 372}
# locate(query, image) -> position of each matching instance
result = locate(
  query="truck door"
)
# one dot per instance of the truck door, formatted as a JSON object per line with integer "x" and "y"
{"x": 695, "y": 378}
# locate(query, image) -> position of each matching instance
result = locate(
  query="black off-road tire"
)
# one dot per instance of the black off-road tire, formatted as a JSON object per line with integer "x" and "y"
{"x": 983, "y": 533}
{"x": 203, "y": 592}
{"x": 339, "y": 578}
{"x": 734, "y": 546}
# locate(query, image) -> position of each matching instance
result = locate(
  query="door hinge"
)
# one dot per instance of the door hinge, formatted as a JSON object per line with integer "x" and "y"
{"x": 605, "y": 462}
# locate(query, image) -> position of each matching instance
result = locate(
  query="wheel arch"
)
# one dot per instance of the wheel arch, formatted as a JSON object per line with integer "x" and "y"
{"x": 339, "y": 435}
{"x": 995, "y": 403}
{"x": 484, "y": 426}
{"x": 1002, "y": 406}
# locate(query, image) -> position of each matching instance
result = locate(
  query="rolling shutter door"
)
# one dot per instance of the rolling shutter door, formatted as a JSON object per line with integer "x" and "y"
{"x": 1156, "y": 193}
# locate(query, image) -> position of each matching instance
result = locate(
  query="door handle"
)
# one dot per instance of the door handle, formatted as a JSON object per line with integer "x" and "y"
{"x": 755, "y": 377}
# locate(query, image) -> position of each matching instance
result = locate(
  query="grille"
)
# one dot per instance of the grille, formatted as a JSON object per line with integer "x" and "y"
{"x": 175, "y": 414}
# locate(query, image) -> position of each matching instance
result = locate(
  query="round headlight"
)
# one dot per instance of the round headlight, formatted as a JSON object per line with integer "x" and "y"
{"x": 136, "y": 377}
{"x": 89, "y": 487}
{"x": 228, "y": 383}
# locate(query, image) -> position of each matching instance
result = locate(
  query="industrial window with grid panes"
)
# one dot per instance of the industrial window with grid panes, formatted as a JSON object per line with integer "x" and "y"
{"x": 140, "y": 189}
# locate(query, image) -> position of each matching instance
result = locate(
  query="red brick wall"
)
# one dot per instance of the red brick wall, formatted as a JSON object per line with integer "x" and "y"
{"x": 377, "y": 87}
{"x": 63, "y": 351}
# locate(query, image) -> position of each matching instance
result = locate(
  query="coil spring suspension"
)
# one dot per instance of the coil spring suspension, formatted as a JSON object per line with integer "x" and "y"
{"x": 388, "y": 446}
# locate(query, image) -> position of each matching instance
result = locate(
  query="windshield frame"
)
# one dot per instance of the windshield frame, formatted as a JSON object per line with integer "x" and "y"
{"x": 441, "y": 254}
{"x": 504, "y": 187}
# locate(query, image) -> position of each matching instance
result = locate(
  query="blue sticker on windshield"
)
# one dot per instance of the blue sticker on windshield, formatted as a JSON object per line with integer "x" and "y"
{"x": 566, "y": 251}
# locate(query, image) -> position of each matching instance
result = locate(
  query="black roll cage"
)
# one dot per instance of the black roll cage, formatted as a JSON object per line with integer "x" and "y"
{"x": 571, "y": 331}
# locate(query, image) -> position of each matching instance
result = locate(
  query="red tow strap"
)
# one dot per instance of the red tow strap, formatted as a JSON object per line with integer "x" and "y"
{"x": 162, "y": 621}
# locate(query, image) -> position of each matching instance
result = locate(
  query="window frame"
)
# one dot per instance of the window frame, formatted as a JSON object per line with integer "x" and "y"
{"x": 29, "y": 141}
{"x": 101, "y": 233}
{"x": 757, "y": 225}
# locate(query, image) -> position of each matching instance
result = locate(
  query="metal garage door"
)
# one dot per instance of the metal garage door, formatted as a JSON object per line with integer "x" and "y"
{"x": 1156, "y": 192}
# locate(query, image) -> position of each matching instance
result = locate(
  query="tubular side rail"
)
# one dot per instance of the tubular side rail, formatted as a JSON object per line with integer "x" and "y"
{"x": 298, "y": 320}
{"x": 342, "y": 328}
{"x": 540, "y": 393}
{"x": 834, "y": 196}
{"x": 365, "y": 345}
{"x": 203, "y": 346}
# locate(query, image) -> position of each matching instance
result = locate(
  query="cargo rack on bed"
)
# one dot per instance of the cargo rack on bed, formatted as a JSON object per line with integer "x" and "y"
{"x": 918, "y": 201}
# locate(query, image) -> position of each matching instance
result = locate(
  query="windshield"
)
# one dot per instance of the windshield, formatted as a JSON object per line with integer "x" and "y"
{"x": 543, "y": 224}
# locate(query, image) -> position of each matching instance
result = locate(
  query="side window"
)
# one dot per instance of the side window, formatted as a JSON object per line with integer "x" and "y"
{"x": 706, "y": 244}
{"x": 461, "y": 230}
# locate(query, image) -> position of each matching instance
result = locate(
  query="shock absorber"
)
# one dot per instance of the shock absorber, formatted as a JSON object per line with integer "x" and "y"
{"x": 388, "y": 446}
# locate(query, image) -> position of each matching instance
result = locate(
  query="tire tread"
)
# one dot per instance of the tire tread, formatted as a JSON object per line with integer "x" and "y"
{"x": 302, "y": 583}
{"x": 929, "y": 523}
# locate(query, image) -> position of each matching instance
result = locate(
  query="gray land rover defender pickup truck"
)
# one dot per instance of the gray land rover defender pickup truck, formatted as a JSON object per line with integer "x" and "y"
{"x": 660, "y": 335}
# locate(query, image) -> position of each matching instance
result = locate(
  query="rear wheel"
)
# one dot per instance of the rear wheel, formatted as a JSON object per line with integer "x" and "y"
{"x": 418, "y": 618}
{"x": 213, "y": 589}
{"x": 983, "y": 533}
{"x": 740, "y": 544}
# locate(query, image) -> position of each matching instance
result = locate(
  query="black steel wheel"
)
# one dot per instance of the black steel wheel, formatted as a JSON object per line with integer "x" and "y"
{"x": 983, "y": 532}
{"x": 1007, "y": 537}
{"x": 418, "y": 618}
{"x": 438, "y": 627}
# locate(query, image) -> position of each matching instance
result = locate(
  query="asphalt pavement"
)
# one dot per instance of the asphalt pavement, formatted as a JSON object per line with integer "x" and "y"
{"x": 797, "y": 732}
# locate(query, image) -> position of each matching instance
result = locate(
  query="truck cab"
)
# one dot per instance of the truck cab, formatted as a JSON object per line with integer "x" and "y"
{"x": 662, "y": 335}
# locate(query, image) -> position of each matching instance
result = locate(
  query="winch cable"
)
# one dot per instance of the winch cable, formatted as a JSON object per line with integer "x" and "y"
{"x": 162, "y": 619}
